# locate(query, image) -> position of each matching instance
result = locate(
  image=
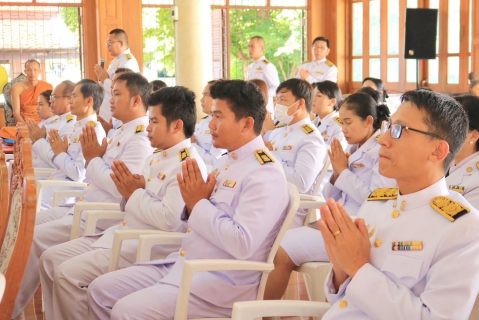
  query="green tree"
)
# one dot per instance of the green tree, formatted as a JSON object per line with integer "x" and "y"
{"x": 159, "y": 41}
{"x": 71, "y": 15}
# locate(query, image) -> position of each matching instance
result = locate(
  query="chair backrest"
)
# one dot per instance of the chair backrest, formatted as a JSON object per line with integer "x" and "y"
{"x": 2, "y": 286}
{"x": 293, "y": 205}
{"x": 18, "y": 233}
{"x": 321, "y": 175}
{"x": 3, "y": 190}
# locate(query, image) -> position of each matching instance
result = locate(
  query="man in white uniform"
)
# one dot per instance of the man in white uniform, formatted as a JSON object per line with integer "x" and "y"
{"x": 226, "y": 216}
{"x": 262, "y": 69}
{"x": 66, "y": 152}
{"x": 129, "y": 143}
{"x": 117, "y": 45}
{"x": 319, "y": 69}
{"x": 201, "y": 139}
{"x": 413, "y": 252}
{"x": 151, "y": 201}
{"x": 60, "y": 102}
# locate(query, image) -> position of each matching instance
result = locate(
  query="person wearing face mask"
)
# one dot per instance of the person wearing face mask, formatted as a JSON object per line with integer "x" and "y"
{"x": 298, "y": 145}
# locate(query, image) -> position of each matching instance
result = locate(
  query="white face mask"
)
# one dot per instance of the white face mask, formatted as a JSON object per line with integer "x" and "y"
{"x": 281, "y": 113}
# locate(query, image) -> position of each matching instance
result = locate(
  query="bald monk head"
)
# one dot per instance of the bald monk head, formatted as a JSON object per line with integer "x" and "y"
{"x": 32, "y": 70}
{"x": 117, "y": 42}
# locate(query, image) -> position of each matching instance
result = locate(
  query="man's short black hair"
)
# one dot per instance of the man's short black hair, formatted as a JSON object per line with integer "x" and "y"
{"x": 443, "y": 116}
{"x": 120, "y": 33}
{"x": 124, "y": 70}
{"x": 321, "y": 39}
{"x": 137, "y": 85}
{"x": 470, "y": 103}
{"x": 69, "y": 87}
{"x": 300, "y": 89}
{"x": 177, "y": 103}
{"x": 157, "y": 85}
{"x": 90, "y": 88}
{"x": 243, "y": 98}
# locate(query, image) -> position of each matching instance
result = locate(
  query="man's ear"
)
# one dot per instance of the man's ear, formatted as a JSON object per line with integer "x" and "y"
{"x": 248, "y": 123}
{"x": 440, "y": 152}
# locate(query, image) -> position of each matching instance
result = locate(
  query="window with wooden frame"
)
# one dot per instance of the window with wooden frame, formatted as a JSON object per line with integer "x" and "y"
{"x": 377, "y": 45}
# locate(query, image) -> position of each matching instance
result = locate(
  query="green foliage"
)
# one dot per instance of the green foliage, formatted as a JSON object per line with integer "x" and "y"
{"x": 70, "y": 16}
{"x": 283, "y": 34}
{"x": 159, "y": 41}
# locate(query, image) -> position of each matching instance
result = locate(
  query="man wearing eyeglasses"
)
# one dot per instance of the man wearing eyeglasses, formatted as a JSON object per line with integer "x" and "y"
{"x": 319, "y": 69}
{"x": 413, "y": 252}
{"x": 60, "y": 102}
{"x": 117, "y": 45}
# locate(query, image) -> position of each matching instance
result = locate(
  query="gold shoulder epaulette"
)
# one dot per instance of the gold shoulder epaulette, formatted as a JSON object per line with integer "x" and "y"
{"x": 157, "y": 150}
{"x": 204, "y": 117}
{"x": 69, "y": 118}
{"x": 54, "y": 121}
{"x": 338, "y": 121}
{"x": 128, "y": 56}
{"x": 329, "y": 63}
{"x": 307, "y": 128}
{"x": 263, "y": 157}
{"x": 378, "y": 136}
{"x": 92, "y": 123}
{"x": 280, "y": 125}
{"x": 307, "y": 61}
{"x": 449, "y": 208}
{"x": 139, "y": 128}
{"x": 183, "y": 154}
{"x": 384, "y": 194}
{"x": 265, "y": 61}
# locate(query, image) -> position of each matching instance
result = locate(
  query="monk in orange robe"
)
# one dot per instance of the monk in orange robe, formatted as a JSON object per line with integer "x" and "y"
{"x": 25, "y": 98}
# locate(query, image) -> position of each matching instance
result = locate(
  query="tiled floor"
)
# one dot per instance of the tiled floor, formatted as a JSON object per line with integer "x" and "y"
{"x": 296, "y": 291}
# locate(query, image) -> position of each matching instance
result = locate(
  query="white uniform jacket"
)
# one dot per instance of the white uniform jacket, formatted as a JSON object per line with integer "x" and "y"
{"x": 356, "y": 183}
{"x": 239, "y": 221}
{"x": 464, "y": 178}
{"x": 320, "y": 70}
{"x": 160, "y": 204}
{"x": 437, "y": 280}
{"x": 204, "y": 142}
{"x": 123, "y": 60}
{"x": 266, "y": 71}
{"x": 42, "y": 151}
{"x": 330, "y": 128}
{"x": 71, "y": 164}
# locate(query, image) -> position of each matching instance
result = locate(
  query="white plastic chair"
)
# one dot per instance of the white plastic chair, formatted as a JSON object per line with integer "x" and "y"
{"x": 2, "y": 285}
{"x": 43, "y": 173}
{"x": 192, "y": 266}
{"x": 99, "y": 207}
{"x": 249, "y": 310}
{"x": 54, "y": 183}
{"x": 59, "y": 195}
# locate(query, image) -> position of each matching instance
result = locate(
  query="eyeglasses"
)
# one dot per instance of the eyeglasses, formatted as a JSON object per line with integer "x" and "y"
{"x": 320, "y": 48}
{"x": 109, "y": 43}
{"x": 56, "y": 97}
{"x": 396, "y": 130}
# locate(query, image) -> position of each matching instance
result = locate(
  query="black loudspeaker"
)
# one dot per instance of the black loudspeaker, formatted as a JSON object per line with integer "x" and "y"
{"x": 421, "y": 32}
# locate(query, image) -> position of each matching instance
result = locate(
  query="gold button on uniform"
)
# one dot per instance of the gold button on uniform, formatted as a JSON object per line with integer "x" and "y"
{"x": 88, "y": 184}
{"x": 343, "y": 304}
{"x": 124, "y": 222}
{"x": 469, "y": 169}
{"x": 285, "y": 135}
{"x": 81, "y": 199}
{"x": 227, "y": 167}
{"x": 51, "y": 178}
{"x": 149, "y": 178}
{"x": 378, "y": 243}
{"x": 395, "y": 214}
{"x": 234, "y": 156}
{"x": 182, "y": 253}
{"x": 188, "y": 230}
{"x": 165, "y": 154}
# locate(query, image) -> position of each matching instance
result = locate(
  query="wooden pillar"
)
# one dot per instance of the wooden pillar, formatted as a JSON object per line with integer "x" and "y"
{"x": 475, "y": 36}
{"x": 330, "y": 19}
{"x": 102, "y": 16}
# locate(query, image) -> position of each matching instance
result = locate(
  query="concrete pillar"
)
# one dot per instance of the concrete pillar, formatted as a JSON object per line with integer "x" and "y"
{"x": 194, "y": 66}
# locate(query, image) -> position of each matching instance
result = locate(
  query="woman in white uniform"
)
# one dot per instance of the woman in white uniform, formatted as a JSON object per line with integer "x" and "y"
{"x": 463, "y": 175}
{"x": 355, "y": 177}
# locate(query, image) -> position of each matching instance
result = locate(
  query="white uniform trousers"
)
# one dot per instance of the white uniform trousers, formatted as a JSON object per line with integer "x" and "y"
{"x": 46, "y": 235}
{"x": 50, "y": 215}
{"x": 304, "y": 244}
{"x": 66, "y": 270}
{"x": 135, "y": 293}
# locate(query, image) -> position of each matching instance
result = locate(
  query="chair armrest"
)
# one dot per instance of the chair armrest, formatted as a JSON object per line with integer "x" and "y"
{"x": 59, "y": 195}
{"x": 310, "y": 197}
{"x": 149, "y": 241}
{"x": 247, "y": 310}
{"x": 54, "y": 183}
{"x": 311, "y": 204}
{"x": 192, "y": 266}
{"x": 80, "y": 206}
{"x": 121, "y": 235}
{"x": 93, "y": 216}
{"x": 9, "y": 157}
